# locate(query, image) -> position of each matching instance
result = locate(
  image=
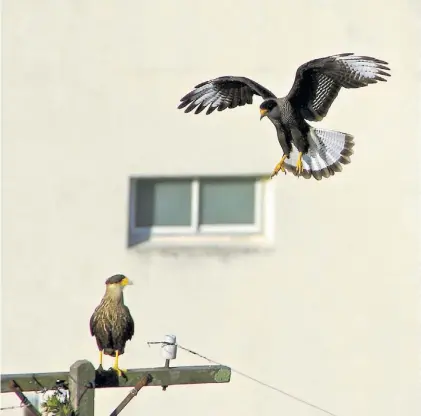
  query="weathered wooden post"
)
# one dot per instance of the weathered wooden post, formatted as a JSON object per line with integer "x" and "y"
{"x": 82, "y": 397}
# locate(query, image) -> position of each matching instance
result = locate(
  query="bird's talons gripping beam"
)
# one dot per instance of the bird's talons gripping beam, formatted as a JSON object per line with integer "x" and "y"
{"x": 279, "y": 166}
{"x": 120, "y": 371}
{"x": 169, "y": 351}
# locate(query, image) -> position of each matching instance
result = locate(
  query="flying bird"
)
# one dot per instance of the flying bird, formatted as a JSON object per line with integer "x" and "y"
{"x": 307, "y": 151}
{"x": 111, "y": 323}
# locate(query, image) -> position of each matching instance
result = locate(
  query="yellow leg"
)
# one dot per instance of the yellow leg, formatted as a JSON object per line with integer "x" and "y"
{"x": 299, "y": 167}
{"x": 279, "y": 166}
{"x": 118, "y": 370}
{"x": 100, "y": 358}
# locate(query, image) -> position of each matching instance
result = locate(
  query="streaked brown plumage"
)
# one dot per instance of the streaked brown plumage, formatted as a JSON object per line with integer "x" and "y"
{"x": 111, "y": 323}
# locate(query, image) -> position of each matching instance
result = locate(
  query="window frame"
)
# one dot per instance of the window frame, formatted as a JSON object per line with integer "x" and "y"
{"x": 195, "y": 229}
{"x": 256, "y": 227}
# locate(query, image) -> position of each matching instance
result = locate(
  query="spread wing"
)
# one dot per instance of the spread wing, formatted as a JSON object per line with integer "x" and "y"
{"x": 317, "y": 82}
{"x": 223, "y": 92}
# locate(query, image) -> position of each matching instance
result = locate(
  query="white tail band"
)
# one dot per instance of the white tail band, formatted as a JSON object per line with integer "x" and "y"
{"x": 328, "y": 150}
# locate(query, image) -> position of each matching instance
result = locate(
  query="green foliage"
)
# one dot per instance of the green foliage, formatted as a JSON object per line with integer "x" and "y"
{"x": 58, "y": 404}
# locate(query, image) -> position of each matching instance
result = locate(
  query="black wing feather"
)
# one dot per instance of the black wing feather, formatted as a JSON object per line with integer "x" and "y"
{"x": 130, "y": 324}
{"x": 92, "y": 321}
{"x": 222, "y": 93}
{"x": 91, "y": 325}
{"x": 318, "y": 82}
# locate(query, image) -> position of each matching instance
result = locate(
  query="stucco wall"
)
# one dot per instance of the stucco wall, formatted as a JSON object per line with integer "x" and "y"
{"x": 329, "y": 313}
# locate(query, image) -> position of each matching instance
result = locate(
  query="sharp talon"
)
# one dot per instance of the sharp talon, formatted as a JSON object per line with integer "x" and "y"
{"x": 120, "y": 371}
{"x": 275, "y": 171}
{"x": 279, "y": 167}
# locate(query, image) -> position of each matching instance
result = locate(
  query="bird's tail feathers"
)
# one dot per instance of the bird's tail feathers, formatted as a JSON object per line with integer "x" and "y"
{"x": 328, "y": 151}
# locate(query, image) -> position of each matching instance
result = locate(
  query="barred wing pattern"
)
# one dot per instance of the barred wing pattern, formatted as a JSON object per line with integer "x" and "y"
{"x": 223, "y": 92}
{"x": 317, "y": 82}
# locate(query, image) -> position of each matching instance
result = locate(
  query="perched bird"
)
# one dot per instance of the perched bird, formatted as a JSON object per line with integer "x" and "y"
{"x": 111, "y": 323}
{"x": 307, "y": 151}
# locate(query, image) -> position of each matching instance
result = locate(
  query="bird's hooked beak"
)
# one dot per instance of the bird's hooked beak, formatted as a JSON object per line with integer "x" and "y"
{"x": 263, "y": 113}
{"x": 126, "y": 281}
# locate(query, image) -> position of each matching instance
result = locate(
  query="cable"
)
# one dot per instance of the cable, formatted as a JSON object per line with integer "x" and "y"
{"x": 21, "y": 406}
{"x": 262, "y": 383}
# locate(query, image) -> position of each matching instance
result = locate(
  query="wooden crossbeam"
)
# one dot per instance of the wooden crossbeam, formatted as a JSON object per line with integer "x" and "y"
{"x": 160, "y": 376}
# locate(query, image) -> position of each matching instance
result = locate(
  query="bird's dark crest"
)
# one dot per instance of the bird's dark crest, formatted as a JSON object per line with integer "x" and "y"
{"x": 117, "y": 278}
{"x": 268, "y": 104}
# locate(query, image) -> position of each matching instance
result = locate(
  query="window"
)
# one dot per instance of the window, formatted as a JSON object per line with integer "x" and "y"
{"x": 196, "y": 206}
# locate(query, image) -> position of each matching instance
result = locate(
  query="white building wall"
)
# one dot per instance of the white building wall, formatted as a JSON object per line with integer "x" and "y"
{"x": 328, "y": 313}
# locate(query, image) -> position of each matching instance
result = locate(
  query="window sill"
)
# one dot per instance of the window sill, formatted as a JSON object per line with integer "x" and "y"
{"x": 206, "y": 244}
